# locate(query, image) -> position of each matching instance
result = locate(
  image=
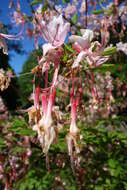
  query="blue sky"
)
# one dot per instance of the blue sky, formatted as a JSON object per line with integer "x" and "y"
{"x": 16, "y": 60}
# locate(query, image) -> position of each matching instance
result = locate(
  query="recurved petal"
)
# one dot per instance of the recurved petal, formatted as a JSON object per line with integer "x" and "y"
{"x": 79, "y": 58}
{"x": 84, "y": 43}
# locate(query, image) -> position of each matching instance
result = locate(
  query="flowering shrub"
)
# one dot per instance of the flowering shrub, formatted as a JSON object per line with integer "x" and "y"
{"x": 77, "y": 76}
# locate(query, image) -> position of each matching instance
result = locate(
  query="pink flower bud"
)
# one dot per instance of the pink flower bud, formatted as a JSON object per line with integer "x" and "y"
{"x": 37, "y": 95}
{"x": 44, "y": 102}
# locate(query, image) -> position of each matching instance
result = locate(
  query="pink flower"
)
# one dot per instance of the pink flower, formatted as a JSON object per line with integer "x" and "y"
{"x": 73, "y": 127}
{"x": 54, "y": 32}
{"x": 122, "y": 47}
{"x": 45, "y": 129}
{"x": 37, "y": 96}
{"x": 91, "y": 52}
{"x": 46, "y": 132}
{"x": 84, "y": 40}
{"x": 44, "y": 103}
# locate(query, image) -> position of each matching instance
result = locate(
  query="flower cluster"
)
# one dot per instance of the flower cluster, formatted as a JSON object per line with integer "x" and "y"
{"x": 87, "y": 50}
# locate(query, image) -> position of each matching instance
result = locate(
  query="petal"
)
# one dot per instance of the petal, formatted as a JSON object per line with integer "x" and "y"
{"x": 101, "y": 60}
{"x": 122, "y": 47}
{"x": 80, "y": 57}
{"x": 84, "y": 43}
{"x": 87, "y": 34}
{"x": 46, "y": 47}
{"x": 60, "y": 38}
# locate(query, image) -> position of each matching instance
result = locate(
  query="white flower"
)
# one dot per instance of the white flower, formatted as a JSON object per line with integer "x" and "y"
{"x": 54, "y": 32}
{"x": 84, "y": 40}
{"x": 122, "y": 47}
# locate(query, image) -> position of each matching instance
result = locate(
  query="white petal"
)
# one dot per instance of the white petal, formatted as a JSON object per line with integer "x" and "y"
{"x": 79, "y": 58}
{"x": 35, "y": 128}
{"x": 47, "y": 47}
{"x": 87, "y": 34}
{"x": 84, "y": 43}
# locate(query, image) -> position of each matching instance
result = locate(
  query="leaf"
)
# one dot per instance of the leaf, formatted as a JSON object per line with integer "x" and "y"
{"x": 74, "y": 19}
{"x": 65, "y": 1}
{"x": 96, "y": 12}
{"x": 18, "y": 123}
{"x": 109, "y": 51}
{"x": 25, "y": 132}
{"x": 109, "y": 11}
{"x": 20, "y": 127}
{"x": 2, "y": 142}
{"x": 35, "y": 2}
{"x": 18, "y": 149}
{"x": 45, "y": 7}
{"x": 112, "y": 163}
{"x": 105, "y": 67}
{"x": 99, "y": 187}
{"x": 69, "y": 48}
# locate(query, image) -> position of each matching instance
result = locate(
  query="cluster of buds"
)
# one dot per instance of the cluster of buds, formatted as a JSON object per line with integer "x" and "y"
{"x": 5, "y": 78}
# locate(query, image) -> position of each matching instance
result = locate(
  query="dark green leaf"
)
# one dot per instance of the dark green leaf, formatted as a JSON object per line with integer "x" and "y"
{"x": 74, "y": 19}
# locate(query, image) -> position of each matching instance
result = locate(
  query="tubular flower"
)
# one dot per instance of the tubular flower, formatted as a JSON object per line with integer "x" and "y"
{"x": 46, "y": 132}
{"x": 74, "y": 132}
{"x": 37, "y": 96}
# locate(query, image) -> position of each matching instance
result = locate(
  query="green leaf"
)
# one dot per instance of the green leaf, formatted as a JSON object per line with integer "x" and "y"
{"x": 45, "y": 7}
{"x": 18, "y": 149}
{"x": 109, "y": 51}
{"x": 109, "y": 11}
{"x": 98, "y": 187}
{"x": 96, "y": 12}
{"x": 18, "y": 123}
{"x": 112, "y": 163}
{"x": 74, "y": 19}
{"x": 2, "y": 142}
{"x": 35, "y": 2}
{"x": 105, "y": 67}
{"x": 69, "y": 48}
{"x": 65, "y": 1}
{"x": 25, "y": 132}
